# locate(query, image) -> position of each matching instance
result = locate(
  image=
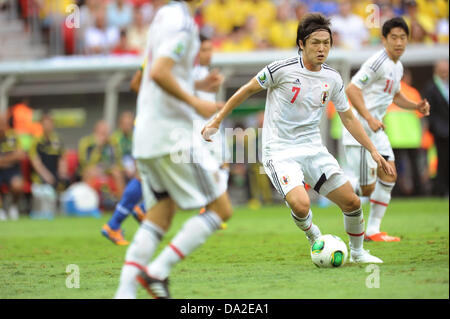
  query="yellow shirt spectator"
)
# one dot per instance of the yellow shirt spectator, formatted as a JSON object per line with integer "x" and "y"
{"x": 265, "y": 12}
{"x": 435, "y": 9}
{"x": 283, "y": 34}
{"x": 219, "y": 14}
{"x": 55, "y": 7}
{"x": 241, "y": 9}
{"x": 238, "y": 41}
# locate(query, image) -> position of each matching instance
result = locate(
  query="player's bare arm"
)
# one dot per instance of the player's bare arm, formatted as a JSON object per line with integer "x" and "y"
{"x": 355, "y": 96}
{"x": 244, "y": 92}
{"x": 161, "y": 73}
{"x": 401, "y": 100}
{"x": 353, "y": 125}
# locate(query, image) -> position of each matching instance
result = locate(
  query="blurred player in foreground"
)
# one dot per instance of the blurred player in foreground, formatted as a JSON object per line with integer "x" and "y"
{"x": 299, "y": 90}
{"x": 207, "y": 84}
{"x": 371, "y": 91}
{"x": 174, "y": 167}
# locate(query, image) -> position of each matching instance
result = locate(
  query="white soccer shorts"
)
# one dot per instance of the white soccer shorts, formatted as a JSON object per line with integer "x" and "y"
{"x": 361, "y": 163}
{"x": 311, "y": 164}
{"x": 191, "y": 185}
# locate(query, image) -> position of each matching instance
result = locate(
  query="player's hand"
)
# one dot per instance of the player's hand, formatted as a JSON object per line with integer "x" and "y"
{"x": 381, "y": 162}
{"x": 424, "y": 107}
{"x": 210, "y": 129}
{"x": 206, "y": 108}
{"x": 375, "y": 125}
{"x": 213, "y": 81}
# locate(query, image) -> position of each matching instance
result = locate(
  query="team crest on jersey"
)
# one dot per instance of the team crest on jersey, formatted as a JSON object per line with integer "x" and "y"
{"x": 262, "y": 78}
{"x": 285, "y": 180}
{"x": 364, "y": 79}
{"x": 179, "y": 49}
{"x": 325, "y": 93}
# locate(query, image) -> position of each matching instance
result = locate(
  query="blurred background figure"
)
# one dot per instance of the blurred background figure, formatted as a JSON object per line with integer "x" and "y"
{"x": 101, "y": 165}
{"x": 349, "y": 29}
{"x": 123, "y": 46}
{"x": 122, "y": 138}
{"x": 421, "y": 24}
{"x": 137, "y": 31}
{"x": 49, "y": 170}
{"x": 100, "y": 38}
{"x": 437, "y": 94}
{"x": 283, "y": 31}
{"x": 119, "y": 13}
{"x": 11, "y": 179}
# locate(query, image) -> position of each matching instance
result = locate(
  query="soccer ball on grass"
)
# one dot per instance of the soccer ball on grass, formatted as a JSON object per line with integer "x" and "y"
{"x": 329, "y": 251}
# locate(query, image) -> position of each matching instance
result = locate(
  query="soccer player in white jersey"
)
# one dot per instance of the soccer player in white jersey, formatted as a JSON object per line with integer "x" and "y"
{"x": 299, "y": 90}
{"x": 202, "y": 71}
{"x": 166, "y": 112}
{"x": 371, "y": 91}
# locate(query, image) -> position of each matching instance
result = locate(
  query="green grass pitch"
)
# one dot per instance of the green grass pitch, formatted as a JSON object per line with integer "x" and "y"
{"x": 261, "y": 254}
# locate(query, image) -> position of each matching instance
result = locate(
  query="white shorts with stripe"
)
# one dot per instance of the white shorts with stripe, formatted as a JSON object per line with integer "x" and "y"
{"x": 361, "y": 163}
{"x": 311, "y": 164}
{"x": 191, "y": 185}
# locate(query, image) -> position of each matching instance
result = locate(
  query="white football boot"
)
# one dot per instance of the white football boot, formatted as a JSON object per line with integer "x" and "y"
{"x": 363, "y": 257}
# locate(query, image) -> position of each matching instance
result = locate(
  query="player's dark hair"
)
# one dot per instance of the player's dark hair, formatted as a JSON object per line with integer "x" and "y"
{"x": 397, "y": 22}
{"x": 310, "y": 23}
{"x": 204, "y": 38}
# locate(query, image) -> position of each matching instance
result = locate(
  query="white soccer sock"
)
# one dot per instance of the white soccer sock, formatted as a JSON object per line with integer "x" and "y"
{"x": 141, "y": 249}
{"x": 354, "y": 226}
{"x": 193, "y": 234}
{"x": 379, "y": 200}
{"x": 305, "y": 223}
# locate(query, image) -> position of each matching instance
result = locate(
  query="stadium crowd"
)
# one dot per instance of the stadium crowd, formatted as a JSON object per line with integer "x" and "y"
{"x": 120, "y": 26}
{"x": 35, "y": 162}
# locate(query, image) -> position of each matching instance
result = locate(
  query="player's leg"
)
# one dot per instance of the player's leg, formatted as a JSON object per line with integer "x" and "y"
{"x": 323, "y": 173}
{"x": 379, "y": 201}
{"x": 3, "y": 215}
{"x": 298, "y": 201}
{"x": 381, "y": 196}
{"x": 144, "y": 245}
{"x": 130, "y": 198}
{"x": 16, "y": 184}
{"x": 150, "y": 232}
{"x": 287, "y": 178}
{"x": 197, "y": 229}
{"x": 363, "y": 169}
{"x": 350, "y": 204}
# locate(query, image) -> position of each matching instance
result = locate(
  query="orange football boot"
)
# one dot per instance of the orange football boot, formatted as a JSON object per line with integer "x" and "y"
{"x": 382, "y": 236}
{"x": 116, "y": 236}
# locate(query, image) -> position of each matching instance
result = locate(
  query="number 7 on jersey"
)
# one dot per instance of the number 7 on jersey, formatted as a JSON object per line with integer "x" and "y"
{"x": 295, "y": 89}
